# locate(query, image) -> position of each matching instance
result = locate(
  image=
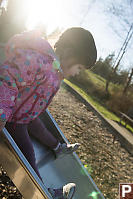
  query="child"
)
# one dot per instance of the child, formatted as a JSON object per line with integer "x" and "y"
{"x": 29, "y": 79}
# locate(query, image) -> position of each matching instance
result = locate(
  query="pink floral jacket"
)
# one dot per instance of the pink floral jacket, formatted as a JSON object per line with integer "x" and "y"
{"x": 28, "y": 78}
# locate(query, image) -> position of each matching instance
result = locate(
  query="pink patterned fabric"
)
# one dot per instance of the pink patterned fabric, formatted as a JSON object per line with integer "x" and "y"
{"x": 28, "y": 78}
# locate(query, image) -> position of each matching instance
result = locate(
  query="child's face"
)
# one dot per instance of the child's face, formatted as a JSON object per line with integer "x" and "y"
{"x": 70, "y": 64}
{"x": 71, "y": 67}
{"x": 75, "y": 69}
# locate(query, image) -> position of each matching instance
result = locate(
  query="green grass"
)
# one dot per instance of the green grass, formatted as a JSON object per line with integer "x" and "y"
{"x": 91, "y": 100}
{"x": 100, "y": 82}
{"x": 127, "y": 127}
{"x": 94, "y": 100}
{"x": 96, "y": 79}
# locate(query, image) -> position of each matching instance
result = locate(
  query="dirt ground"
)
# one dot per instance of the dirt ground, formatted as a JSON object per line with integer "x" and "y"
{"x": 7, "y": 188}
{"x": 108, "y": 164}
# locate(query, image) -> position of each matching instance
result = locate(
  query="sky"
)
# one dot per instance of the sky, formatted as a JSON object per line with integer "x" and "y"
{"x": 92, "y": 15}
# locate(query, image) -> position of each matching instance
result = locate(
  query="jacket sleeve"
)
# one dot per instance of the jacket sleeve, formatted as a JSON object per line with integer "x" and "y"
{"x": 8, "y": 93}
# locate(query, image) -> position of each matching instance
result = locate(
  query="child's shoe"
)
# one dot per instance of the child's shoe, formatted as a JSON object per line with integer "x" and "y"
{"x": 64, "y": 149}
{"x": 65, "y": 192}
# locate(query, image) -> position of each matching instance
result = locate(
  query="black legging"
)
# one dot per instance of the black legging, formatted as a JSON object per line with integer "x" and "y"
{"x": 22, "y": 139}
{"x": 20, "y": 135}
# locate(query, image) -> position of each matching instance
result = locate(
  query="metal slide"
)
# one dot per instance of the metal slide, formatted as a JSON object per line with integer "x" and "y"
{"x": 54, "y": 172}
{"x": 19, "y": 169}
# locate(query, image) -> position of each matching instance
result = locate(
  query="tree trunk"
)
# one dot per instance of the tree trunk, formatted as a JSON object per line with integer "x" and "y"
{"x": 110, "y": 77}
{"x": 128, "y": 82}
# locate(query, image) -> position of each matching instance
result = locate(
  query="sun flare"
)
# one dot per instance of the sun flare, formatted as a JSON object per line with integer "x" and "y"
{"x": 51, "y": 13}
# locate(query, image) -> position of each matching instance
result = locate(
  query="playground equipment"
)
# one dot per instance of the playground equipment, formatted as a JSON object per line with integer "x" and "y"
{"x": 54, "y": 172}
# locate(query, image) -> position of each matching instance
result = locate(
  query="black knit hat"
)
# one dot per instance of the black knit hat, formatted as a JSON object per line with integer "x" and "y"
{"x": 82, "y": 43}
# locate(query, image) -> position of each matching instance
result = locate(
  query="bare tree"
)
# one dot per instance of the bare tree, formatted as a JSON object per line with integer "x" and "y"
{"x": 12, "y": 20}
{"x": 128, "y": 82}
{"x": 1, "y": 2}
{"x": 120, "y": 56}
{"x": 126, "y": 23}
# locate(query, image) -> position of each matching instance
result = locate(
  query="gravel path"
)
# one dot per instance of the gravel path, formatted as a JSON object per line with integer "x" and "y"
{"x": 107, "y": 163}
{"x": 7, "y": 188}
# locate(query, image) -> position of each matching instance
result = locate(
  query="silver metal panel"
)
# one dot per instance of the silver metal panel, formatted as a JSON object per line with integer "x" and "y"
{"x": 19, "y": 170}
{"x": 57, "y": 172}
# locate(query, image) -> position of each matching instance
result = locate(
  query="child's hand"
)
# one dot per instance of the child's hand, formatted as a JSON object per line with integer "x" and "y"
{"x": 2, "y": 124}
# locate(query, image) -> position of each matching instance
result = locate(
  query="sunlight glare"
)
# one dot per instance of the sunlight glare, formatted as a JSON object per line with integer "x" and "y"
{"x": 51, "y": 13}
